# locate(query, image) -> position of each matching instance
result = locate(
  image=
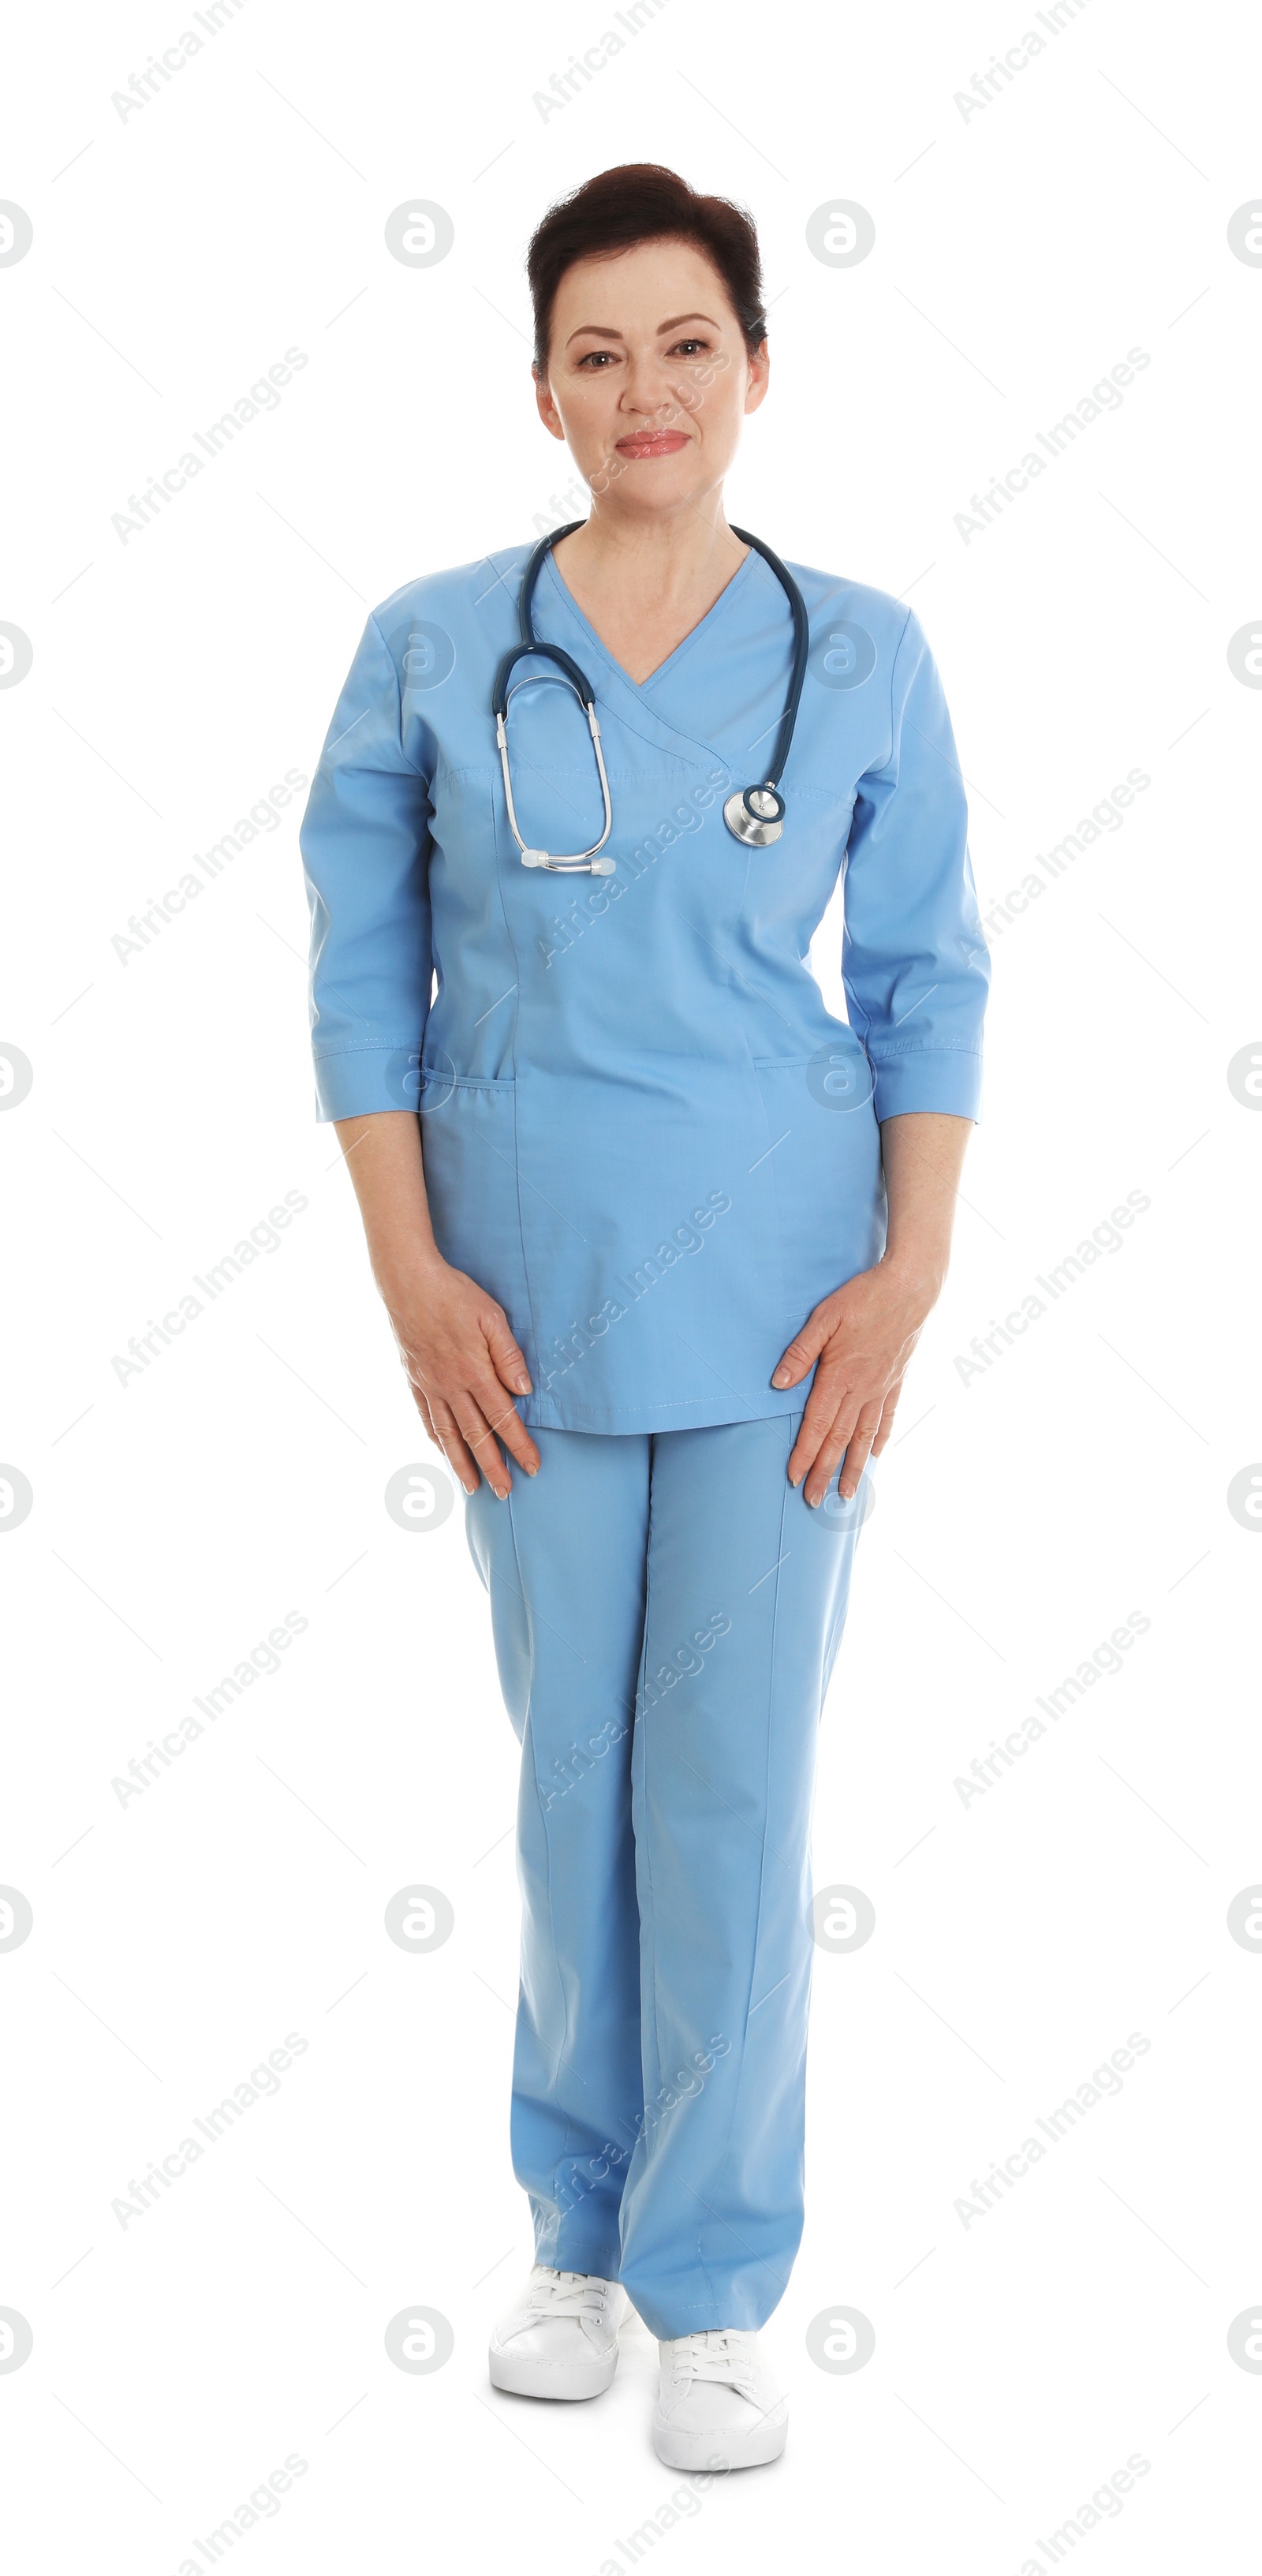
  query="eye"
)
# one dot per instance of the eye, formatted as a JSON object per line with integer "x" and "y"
{"x": 595, "y": 360}
{"x": 688, "y": 348}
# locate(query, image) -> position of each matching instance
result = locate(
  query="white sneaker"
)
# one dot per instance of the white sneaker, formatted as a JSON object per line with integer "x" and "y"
{"x": 560, "y": 2338}
{"x": 718, "y": 2405}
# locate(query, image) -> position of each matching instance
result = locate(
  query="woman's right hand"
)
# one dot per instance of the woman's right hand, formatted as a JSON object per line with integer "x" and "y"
{"x": 463, "y": 1367}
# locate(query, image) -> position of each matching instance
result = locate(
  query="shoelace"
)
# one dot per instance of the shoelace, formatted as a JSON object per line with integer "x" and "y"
{"x": 571, "y": 2294}
{"x": 723, "y": 2354}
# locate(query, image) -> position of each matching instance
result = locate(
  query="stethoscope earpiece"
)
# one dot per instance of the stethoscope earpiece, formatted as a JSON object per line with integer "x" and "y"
{"x": 544, "y": 859}
{"x": 754, "y": 815}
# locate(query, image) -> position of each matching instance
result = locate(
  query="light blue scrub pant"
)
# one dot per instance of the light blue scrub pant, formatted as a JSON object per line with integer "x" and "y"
{"x": 666, "y": 1610}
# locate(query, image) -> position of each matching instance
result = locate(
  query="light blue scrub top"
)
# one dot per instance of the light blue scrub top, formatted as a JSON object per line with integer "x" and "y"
{"x": 644, "y": 1131}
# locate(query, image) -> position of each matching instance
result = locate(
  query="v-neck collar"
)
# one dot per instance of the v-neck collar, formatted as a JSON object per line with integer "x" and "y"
{"x": 639, "y": 688}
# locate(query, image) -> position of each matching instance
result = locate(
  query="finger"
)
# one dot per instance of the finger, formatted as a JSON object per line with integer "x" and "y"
{"x": 506, "y": 1422}
{"x": 858, "y": 1451}
{"x": 484, "y": 1406}
{"x": 823, "y": 1404}
{"x": 422, "y": 1406}
{"x": 455, "y": 1450}
{"x": 829, "y": 1454}
{"x": 476, "y": 1431}
{"x": 888, "y": 1411}
{"x": 802, "y": 1353}
{"x": 507, "y": 1360}
{"x": 422, "y": 1403}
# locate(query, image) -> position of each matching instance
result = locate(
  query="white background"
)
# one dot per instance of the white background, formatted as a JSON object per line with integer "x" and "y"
{"x": 1020, "y": 252}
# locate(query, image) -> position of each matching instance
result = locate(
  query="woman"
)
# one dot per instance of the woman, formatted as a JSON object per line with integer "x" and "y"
{"x": 662, "y": 1238}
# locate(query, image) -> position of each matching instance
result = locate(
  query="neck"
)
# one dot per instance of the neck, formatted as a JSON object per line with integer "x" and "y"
{"x": 669, "y": 556}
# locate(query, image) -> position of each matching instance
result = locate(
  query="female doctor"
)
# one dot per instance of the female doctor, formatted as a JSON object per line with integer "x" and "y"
{"x": 656, "y": 1231}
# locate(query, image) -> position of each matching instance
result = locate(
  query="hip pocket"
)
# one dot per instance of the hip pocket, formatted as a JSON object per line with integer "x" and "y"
{"x": 469, "y": 1148}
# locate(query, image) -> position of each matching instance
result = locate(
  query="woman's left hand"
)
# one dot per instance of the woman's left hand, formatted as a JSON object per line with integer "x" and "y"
{"x": 863, "y": 1337}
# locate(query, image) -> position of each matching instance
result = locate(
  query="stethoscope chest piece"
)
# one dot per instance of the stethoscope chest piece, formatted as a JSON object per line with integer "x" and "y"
{"x": 755, "y": 815}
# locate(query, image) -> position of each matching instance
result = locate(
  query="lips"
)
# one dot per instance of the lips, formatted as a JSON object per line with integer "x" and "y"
{"x": 653, "y": 442}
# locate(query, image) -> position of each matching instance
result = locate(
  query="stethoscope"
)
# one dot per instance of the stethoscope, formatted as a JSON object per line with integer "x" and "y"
{"x": 754, "y": 814}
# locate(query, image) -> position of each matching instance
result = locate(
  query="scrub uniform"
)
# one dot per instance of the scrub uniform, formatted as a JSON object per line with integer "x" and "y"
{"x": 646, "y": 1134}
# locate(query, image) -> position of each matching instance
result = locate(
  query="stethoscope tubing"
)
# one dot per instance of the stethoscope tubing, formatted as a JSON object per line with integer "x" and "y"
{"x": 750, "y": 823}
{"x": 801, "y": 652}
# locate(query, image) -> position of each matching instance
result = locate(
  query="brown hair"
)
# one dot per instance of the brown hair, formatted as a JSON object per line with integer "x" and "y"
{"x": 638, "y": 202}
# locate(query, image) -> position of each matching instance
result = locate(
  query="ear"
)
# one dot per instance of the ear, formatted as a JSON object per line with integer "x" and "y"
{"x": 548, "y": 412}
{"x": 759, "y": 372}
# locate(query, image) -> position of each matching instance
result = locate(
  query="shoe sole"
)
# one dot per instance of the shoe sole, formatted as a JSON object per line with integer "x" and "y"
{"x": 522, "y": 2378}
{"x": 753, "y": 2450}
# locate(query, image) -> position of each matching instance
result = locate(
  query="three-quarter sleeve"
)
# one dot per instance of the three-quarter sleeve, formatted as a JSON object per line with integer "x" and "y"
{"x": 914, "y": 959}
{"x": 365, "y": 846}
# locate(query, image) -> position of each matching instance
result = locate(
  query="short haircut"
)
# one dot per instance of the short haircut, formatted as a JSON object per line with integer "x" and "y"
{"x": 639, "y": 202}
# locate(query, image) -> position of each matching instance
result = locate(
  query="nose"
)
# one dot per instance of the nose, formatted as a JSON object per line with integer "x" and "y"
{"x": 648, "y": 388}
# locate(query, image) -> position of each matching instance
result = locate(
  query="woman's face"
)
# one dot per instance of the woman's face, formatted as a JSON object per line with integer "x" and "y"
{"x": 648, "y": 376}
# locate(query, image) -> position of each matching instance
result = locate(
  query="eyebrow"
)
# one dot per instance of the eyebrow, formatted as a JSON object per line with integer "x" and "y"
{"x": 597, "y": 331}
